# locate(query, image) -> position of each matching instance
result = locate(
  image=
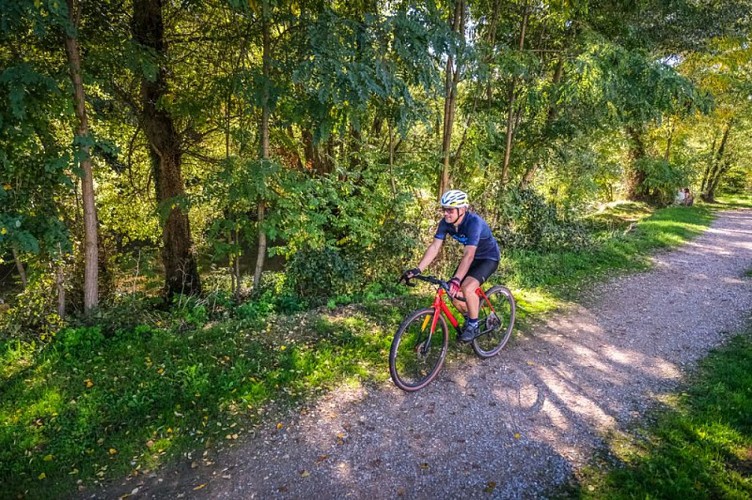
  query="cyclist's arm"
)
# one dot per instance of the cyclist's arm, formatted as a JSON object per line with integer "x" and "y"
{"x": 467, "y": 259}
{"x": 431, "y": 252}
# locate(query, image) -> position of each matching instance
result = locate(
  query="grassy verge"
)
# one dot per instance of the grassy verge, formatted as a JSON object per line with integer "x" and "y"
{"x": 625, "y": 238}
{"x": 699, "y": 448}
{"x": 735, "y": 201}
{"x": 89, "y": 407}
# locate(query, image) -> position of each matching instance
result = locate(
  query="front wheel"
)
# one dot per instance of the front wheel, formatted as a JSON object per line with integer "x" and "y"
{"x": 417, "y": 353}
{"x": 496, "y": 320}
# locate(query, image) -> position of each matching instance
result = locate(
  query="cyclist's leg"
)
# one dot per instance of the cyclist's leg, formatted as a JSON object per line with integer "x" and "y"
{"x": 469, "y": 285}
{"x": 460, "y": 304}
{"x": 480, "y": 270}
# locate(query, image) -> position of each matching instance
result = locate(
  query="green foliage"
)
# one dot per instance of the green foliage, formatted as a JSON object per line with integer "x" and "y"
{"x": 120, "y": 316}
{"x": 316, "y": 273}
{"x": 662, "y": 179}
{"x": 531, "y": 223}
{"x": 33, "y": 315}
{"x": 79, "y": 340}
{"x": 564, "y": 272}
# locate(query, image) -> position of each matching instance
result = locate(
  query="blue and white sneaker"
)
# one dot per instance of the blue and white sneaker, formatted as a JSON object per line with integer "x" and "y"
{"x": 470, "y": 331}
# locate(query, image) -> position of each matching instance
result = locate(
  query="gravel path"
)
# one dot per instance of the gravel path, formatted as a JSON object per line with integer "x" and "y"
{"x": 516, "y": 426}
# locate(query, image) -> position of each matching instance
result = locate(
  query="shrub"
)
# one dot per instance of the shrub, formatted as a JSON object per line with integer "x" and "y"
{"x": 317, "y": 275}
{"x": 34, "y": 314}
{"x": 81, "y": 339}
{"x": 530, "y": 223}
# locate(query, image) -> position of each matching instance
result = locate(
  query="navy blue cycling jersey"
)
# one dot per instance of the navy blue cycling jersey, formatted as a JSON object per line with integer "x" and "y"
{"x": 473, "y": 231}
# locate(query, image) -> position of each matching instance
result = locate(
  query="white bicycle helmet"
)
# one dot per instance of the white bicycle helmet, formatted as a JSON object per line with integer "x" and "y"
{"x": 454, "y": 198}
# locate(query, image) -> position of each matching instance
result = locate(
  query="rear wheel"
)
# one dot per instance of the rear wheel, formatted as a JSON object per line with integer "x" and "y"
{"x": 496, "y": 321}
{"x": 417, "y": 354}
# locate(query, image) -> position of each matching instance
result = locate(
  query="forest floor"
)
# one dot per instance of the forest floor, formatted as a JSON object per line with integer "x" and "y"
{"x": 516, "y": 426}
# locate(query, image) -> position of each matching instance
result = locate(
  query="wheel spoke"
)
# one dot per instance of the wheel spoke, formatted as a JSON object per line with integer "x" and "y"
{"x": 417, "y": 354}
{"x": 496, "y": 317}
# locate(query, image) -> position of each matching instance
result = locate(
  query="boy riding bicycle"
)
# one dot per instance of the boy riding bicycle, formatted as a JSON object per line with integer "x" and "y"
{"x": 479, "y": 261}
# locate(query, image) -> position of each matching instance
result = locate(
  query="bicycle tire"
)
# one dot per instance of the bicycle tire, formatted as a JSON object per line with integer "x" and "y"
{"x": 416, "y": 355}
{"x": 497, "y": 325}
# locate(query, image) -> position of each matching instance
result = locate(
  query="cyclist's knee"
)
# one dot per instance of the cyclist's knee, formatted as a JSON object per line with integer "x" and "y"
{"x": 469, "y": 285}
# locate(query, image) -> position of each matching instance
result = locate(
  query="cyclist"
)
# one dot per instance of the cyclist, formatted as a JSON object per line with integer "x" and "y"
{"x": 479, "y": 261}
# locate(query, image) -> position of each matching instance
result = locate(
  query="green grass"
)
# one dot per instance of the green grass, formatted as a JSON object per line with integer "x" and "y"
{"x": 735, "y": 201}
{"x": 105, "y": 401}
{"x": 699, "y": 448}
{"x": 564, "y": 274}
{"x": 89, "y": 408}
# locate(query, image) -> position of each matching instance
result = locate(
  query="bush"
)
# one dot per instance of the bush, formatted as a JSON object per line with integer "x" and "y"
{"x": 661, "y": 181}
{"x": 531, "y": 223}
{"x": 81, "y": 339}
{"x": 317, "y": 275}
{"x": 34, "y": 313}
{"x": 123, "y": 316}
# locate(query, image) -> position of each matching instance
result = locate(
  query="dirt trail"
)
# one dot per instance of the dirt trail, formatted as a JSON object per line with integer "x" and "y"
{"x": 516, "y": 426}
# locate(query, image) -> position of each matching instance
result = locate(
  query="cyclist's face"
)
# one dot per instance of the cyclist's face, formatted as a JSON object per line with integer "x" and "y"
{"x": 451, "y": 215}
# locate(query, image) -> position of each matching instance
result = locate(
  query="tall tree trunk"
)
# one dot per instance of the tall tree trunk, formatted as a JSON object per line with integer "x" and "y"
{"x": 720, "y": 166}
{"x": 391, "y": 161}
{"x": 450, "y": 100}
{"x": 91, "y": 247}
{"x": 716, "y": 168}
{"x": 709, "y": 165}
{"x": 19, "y": 267}
{"x": 491, "y": 40}
{"x": 265, "y": 113}
{"x": 669, "y": 141}
{"x": 236, "y": 266}
{"x": 181, "y": 271}
{"x": 529, "y": 175}
{"x": 635, "y": 176}
{"x": 511, "y": 99}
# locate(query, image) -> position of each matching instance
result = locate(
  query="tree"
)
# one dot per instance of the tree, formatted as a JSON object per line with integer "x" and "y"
{"x": 83, "y": 141}
{"x": 181, "y": 272}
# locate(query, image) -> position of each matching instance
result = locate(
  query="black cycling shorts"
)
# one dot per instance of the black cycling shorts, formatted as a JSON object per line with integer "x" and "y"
{"x": 481, "y": 269}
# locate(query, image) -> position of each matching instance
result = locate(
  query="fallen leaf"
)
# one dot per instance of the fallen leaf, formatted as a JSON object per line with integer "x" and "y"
{"x": 199, "y": 487}
{"x": 280, "y": 425}
{"x": 322, "y": 458}
{"x": 305, "y": 473}
{"x": 113, "y": 451}
{"x": 517, "y": 435}
{"x": 88, "y": 383}
{"x": 424, "y": 466}
{"x": 42, "y": 475}
{"x": 490, "y": 487}
{"x": 48, "y": 458}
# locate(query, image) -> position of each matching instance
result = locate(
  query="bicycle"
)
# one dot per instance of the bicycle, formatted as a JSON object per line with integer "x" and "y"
{"x": 417, "y": 352}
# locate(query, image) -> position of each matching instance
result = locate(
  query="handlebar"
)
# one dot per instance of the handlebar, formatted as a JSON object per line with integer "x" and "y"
{"x": 430, "y": 279}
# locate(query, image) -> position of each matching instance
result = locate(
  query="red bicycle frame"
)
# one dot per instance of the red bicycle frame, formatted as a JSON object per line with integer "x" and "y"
{"x": 440, "y": 306}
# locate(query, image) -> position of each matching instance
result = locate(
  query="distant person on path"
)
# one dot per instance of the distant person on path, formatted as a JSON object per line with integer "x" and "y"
{"x": 689, "y": 199}
{"x": 479, "y": 261}
{"x": 679, "y": 200}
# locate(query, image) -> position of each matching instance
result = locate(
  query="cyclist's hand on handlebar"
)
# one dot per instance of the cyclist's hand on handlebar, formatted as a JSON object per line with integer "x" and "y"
{"x": 454, "y": 286}
{"x": 410, "y": 273}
